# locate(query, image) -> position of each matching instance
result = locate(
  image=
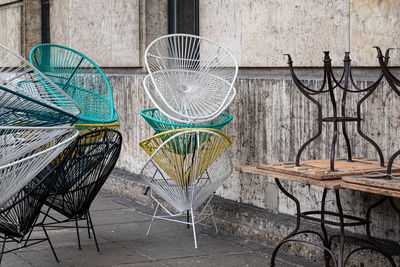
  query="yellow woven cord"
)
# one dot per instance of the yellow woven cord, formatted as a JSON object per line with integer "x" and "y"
{"x": 182, "y": 159}
{"x": 85, "y": 127}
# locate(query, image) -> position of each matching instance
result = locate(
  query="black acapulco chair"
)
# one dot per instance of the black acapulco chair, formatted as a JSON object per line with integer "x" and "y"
{"x": 83, "y": 175}
{"x": 20, "y": 213}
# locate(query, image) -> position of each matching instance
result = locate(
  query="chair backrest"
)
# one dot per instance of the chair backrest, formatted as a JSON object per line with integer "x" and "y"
{"x": 29, "y": 98}
{"x": 85, "y": 172}
{"x": 186, "y": 166}
{"x": 192, "y": 77}
{"x": 80, "y": 78}
{"x": 20, "y": 211}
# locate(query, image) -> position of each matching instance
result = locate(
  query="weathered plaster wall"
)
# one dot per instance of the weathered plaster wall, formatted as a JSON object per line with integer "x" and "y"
{"x": 20, "y": 22}
{"x": 106, "y": 31}
{"x": 11, "y": 24}
{"x": 33, "y": 25}
{"x": 271, "y": 121}
{"x": 259, "y": 32}
{"x": 156, "y": 20}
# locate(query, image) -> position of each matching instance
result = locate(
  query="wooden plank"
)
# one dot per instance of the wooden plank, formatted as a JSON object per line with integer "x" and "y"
{"x": 371, "y": 189}
{"x": 320, "y": 169}
{"x": 330, "y": 184}
{"x": 375, "y": 180}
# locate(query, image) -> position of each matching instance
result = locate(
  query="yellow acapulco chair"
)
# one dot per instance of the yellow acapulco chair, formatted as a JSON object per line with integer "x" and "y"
{"x": 185, "y": 168}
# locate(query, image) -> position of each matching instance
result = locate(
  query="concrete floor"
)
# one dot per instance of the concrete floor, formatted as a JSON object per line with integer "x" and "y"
{"x": 120, "y": 227}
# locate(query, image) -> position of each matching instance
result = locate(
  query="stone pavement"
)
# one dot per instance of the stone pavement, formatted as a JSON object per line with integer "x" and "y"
{"x": 120, "y": 227}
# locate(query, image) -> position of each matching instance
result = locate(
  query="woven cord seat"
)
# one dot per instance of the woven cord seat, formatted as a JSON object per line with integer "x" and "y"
{"x": 161, "y": 123}
{"x": 26, "y": 151}
{"x": 29, "y": 98}
{"x": 191, "y": 77}
{"x": 80, "y": 78}
{"x": 185, "y": 170}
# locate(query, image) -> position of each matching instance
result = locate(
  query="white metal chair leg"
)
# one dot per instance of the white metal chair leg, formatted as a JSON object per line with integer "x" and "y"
{"x": 213, "y": 219}
{"x": 193, "y": 226}
{"x": 152, "y": 219}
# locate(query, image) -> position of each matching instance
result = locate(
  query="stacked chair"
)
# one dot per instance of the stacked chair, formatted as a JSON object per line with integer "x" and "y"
{"x": 34, "y": 130}
{"x": 98, "y": 145}
{"x": 57, "y": 143}
{"x": 190, "y": 82}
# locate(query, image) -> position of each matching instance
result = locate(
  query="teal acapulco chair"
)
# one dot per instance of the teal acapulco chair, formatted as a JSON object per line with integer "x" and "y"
{"x": 80, "y": 78}
{"x": 161, "y": 123}
{"x": 29, "y": 98}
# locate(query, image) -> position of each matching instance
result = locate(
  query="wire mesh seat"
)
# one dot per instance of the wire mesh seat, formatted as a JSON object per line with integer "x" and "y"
{"x": 191, "y": 77}
{"x": 185, "y": 170}
{"x": 29, "y": 98}
{"x": 25, "y": 151}
{"x": 161, "y": 123}
{"x": 80, "y": 78}
{"x": 83, "y": 175}
{"x": 20, "y": 212}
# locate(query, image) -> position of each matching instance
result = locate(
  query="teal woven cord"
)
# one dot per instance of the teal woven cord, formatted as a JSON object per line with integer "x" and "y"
{"x": 161, "y": 123}
{"x": 80, "y": 78}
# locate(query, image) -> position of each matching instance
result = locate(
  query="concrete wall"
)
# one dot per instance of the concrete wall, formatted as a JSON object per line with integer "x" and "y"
{"x": 20, "y": 22}
{"x": 106, "y": 31}
{"x": 11, "y": 20}
{"x": 259, "y": 32}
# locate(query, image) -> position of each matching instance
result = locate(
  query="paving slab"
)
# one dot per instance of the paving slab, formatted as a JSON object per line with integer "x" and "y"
{"x": 120, "y": 228}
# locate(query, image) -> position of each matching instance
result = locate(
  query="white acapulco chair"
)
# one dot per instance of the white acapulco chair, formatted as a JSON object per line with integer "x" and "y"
{"x": 25, "y": 151}
{"x": 29, "y": 98}
{"x": 191, "y": 78}
{"x": 185, "y": 168}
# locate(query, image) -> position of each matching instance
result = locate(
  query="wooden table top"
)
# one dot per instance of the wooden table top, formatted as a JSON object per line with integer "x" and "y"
{"x": 320, "y": 169}
{"x": 345, "y": 182}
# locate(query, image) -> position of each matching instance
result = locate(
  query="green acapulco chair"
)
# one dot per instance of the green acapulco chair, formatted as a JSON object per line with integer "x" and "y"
{"x": 161, "y": 123}
{"x": 80, "y": 78}
{"x": 29, "y": 98}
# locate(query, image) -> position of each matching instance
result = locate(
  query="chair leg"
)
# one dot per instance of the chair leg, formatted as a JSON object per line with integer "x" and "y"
{"x": 2, "y": 247}
{"x": 194, "y": 229}
{"x": 152, "y": 219}
{"x": 88, "y": 225}
{"x": 51, "y": 245}
{"x": 94, "y": 233}
{"x": 30, "y": 232}
{"x": 188, "y": 219}
{"x": 77, "y": 233}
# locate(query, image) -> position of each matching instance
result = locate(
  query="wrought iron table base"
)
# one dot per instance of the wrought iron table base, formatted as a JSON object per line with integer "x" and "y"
{"x": 329, "y": 255}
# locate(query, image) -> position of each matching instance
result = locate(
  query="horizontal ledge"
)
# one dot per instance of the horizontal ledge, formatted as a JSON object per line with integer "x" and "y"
{"x": 339, "y": 119}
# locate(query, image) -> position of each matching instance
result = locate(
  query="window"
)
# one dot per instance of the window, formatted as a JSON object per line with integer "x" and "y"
{"x": 183, "y": 16}
{"x": 45, "y": 21}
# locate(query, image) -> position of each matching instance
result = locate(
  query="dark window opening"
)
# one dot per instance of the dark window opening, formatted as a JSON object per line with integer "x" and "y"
{"x": 45, "y": 21}
{"x": 183, "y": 16}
